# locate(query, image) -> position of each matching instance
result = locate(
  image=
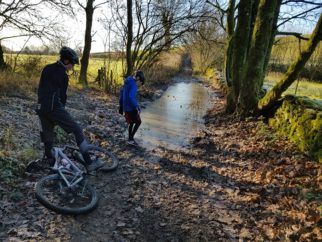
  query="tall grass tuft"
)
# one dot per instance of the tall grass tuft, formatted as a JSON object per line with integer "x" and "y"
{"x": 23, "y": 75}
{"x": 13, "y": 84}
{"x": 32, "y": 67}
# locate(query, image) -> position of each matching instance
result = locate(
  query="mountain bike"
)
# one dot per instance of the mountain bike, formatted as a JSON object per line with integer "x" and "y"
{"x": 67, "y": 191}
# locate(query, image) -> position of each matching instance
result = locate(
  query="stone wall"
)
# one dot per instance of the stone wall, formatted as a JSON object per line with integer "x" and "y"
{"x": 300, "y": 119}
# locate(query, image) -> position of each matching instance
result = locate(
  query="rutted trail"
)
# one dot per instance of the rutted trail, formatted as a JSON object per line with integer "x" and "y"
{"x": 235, "y": 183}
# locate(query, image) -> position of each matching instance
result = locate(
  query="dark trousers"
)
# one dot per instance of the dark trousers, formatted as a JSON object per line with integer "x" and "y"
{"x": 60, "y": 117}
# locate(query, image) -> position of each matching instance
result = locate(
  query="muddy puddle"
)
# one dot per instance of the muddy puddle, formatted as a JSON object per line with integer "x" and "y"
{"x": 173, "y": 119}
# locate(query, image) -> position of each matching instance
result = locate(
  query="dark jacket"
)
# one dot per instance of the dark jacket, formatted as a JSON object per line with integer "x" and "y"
{"x": 53, "y": 87}
{"x": 128, "y": 95}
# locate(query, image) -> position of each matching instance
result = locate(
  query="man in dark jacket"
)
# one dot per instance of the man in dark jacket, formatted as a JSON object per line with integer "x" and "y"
{"x": 52, "y": 99}
{"x": 129, "y": 104}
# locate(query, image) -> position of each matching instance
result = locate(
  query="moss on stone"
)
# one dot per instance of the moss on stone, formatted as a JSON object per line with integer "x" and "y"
{"x": 300, "y": 119}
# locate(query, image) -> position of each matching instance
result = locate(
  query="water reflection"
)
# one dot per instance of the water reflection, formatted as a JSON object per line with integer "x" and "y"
{"x": 174, "y": 118}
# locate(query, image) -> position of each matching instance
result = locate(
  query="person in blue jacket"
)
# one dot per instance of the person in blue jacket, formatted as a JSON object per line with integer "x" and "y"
{"x": 129, "y": 104}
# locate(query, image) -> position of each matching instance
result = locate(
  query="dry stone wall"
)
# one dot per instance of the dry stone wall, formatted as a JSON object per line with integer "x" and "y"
{"x": 300, "y": 119}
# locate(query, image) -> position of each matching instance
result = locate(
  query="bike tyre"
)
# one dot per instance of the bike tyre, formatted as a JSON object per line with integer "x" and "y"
{"x": 114, "y": 162}
{"x": 60, "y": 209}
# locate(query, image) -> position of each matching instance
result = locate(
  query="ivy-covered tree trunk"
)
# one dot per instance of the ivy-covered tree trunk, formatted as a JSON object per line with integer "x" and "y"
{"x": 88, "y": 43}
{"x": 240, "y": 44}
{"x": 268, "y": 101}
{"x": 231, "y": 101}
{"x": 270, "y": 46}
{"x": 254, "y": 68}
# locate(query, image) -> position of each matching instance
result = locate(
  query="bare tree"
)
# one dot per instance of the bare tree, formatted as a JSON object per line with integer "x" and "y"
{"x": 205, "y": 45}
{"x": 25, "y": 18}
{"x": 166, "y": 11}
{"x": 129, "y": 38}
{"x": 149, "y": 35}
{"x": 89, "y": 9}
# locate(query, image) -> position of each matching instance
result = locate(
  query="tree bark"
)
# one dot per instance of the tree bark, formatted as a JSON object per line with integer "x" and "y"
{"x": 3, "y": 64}
{"x": 293, "y": 71}
{"x": 129, "y": 61}
{"x": 89, "y": 10}
{"x": 231, "y": 102}
{"x": 249, "y": 89}
{"x": 271, "y": 42}
{"x": 240, "y": 46}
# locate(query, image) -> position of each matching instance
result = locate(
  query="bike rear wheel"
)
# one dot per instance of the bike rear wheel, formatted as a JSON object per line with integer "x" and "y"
{"x": 54, "y": 194}
{"x": 108, "y": 158}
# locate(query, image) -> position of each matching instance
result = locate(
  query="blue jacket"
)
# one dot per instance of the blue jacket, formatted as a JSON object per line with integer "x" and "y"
{"x": 128, "y": 95}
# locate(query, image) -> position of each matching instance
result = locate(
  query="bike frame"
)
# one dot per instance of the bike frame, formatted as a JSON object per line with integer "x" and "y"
{"x": 73, "y": 170}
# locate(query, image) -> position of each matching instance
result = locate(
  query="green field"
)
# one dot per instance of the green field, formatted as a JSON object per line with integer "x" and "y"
{"x": 35, "y": 63}
{"x": 97, "y": 63}
{"x": 23, "y": 75}
{"x": 302, "y": 87}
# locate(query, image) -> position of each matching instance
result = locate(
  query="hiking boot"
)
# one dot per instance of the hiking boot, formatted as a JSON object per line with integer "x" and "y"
{"x": 85, "y": 159}
{"x": 82, "y": 158}
{"x": 78, "y": 156}
{"x": 133, "y": 142}
{"x": 95, "y": 165}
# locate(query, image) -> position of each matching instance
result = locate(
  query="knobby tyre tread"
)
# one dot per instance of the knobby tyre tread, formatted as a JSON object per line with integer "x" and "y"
{"x": 63, "y": 210}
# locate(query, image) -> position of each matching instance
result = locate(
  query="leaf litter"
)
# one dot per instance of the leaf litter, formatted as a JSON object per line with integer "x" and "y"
{"x": 238, "y": 182}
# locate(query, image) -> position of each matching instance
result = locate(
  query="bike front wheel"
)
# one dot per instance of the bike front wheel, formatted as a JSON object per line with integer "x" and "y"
{"x": 53, "y": 193}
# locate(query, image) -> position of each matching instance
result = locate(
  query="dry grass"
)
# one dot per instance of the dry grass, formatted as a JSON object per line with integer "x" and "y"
{"x": 25, "y": 77}
{"x": 167, "y": 66}
{"x": 16, "y": 84}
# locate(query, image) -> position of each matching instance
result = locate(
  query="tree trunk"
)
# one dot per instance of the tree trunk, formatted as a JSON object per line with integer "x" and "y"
{"x": 240, "y": 46}
{"x": 129, "y": 61}
{"x": 270, "y": 45}
{"x": 3, "y": 64}
{"x": 293, "y": 71}
{"x": 250, "y": 86}
{"x": 231, "y": 102}
{"x": 88, "y": 43}
{"x": 167, "y": 23}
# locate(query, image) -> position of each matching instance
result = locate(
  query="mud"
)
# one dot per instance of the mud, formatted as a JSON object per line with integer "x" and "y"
{"x": 237, "y": 182}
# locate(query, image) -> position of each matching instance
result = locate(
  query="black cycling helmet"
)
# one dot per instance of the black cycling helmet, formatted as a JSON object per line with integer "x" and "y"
{"x": 67, "y": 53}
{"x": 140, "y": 74}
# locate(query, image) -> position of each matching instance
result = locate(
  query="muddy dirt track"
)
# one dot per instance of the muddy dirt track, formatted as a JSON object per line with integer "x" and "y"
{"x": 238, "y": 182}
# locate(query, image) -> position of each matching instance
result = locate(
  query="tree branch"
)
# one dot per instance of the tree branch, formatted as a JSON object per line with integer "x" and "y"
{"x": 297, "y": 35}
{"x": 302, "y": 1}
{"x": 302, "y": 14}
